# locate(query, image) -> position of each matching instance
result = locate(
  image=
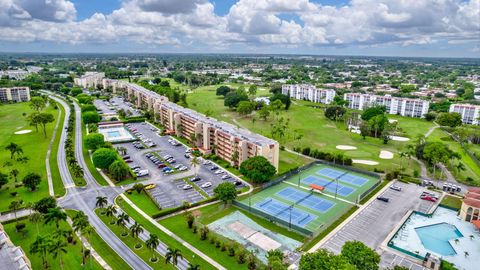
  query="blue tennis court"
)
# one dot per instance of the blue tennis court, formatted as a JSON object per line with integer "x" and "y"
{"x": 330, "y": 186}
{"x": 306, "y": 199}
{"x": 280, "y": 210}
{"x": 343, "y": 176}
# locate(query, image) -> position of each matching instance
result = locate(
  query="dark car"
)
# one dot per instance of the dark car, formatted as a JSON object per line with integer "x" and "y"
{"x": 126, "y": 157}
{"x": 383, "y": 199}
{"x": 194, "y": 179}
{"x": 213, "y": 168}
{"x": 161, "y": 165}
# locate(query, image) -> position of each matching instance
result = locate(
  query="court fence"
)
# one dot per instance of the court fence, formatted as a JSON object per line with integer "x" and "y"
{"x": 274, "y": 219}
{"x": 366, "y": 192}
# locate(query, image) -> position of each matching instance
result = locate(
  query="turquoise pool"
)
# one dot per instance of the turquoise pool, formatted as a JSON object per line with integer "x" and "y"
{"x": 436, "y": 237}
{"x": 113, "y": 134}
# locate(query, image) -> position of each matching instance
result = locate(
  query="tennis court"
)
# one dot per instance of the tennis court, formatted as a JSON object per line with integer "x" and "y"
{"x": 285, "y": 212}
{"x": 329, "y": 185}
{"x": 343, "y": 176}
{"x": 306, "y": 199}
{"x": 337, "y": 181}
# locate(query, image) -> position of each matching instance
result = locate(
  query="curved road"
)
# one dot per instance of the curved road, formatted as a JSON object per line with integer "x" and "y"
{"x": 84, "y": 198}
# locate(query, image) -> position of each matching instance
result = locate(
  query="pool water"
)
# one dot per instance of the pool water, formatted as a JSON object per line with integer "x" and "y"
{"x": 113, "y": 133}
{"x": 436, "y": 237}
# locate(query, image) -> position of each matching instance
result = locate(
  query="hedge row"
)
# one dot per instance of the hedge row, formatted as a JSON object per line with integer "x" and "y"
{"x": 330, "y": 157}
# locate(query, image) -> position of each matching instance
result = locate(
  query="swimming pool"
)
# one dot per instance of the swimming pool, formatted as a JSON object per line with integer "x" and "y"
{"x": 436, "y": 237}
{"x": 113, "y": 134}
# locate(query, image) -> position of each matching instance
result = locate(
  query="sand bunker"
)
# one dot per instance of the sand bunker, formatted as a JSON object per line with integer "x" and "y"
{"x": 365, "y": 162}
{"x": 391, "y": 121}
{"x": 25, "y": 131}
{"x": 400, "y": 139}
{"x": 386, "y": 154}
{"x": 346, "y": 147}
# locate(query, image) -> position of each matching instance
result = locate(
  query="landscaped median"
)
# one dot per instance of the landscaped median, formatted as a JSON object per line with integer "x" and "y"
{"x": 103, "y": 249}
{"x": 133, "y": 243}
{"x": 58, "y": 187}
{"x": 165, "y": 238}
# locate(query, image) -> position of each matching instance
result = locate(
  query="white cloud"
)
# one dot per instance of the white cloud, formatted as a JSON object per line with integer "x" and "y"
{"x": 193, "y": 23}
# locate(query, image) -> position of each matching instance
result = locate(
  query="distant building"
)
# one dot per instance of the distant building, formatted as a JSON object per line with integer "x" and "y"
{"x": 19, "y": 74}
{"x": 90, "y": 79}
{"x": 469, "y": 112}
{"x": 394, "y": 105}
{"x": 15, "y": 94}
{"x": 308, "y": 92}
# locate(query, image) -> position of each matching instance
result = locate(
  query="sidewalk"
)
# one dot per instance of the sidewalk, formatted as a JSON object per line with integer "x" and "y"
{"x": 11, "y": 215}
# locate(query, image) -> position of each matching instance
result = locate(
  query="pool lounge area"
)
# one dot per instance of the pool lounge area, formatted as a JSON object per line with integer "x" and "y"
{"x": 116, "y": 134}
{"x": 442, "y": 234}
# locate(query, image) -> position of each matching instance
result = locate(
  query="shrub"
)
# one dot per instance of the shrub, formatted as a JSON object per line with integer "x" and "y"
{"x": 102, "y": 158}
{"x": 231, "y": 250}
{"x": 20, "y": 226}
{"x": 241, "y": 256}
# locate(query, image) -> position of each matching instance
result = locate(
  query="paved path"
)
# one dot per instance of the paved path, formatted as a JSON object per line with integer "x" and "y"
{"x": 11, "y": 215}
{"x": 51, "y": 191}
{"x": 431, "y": 130}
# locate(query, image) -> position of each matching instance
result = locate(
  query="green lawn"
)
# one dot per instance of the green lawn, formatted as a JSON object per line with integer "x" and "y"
{"x": 34, "y": 146}
{"x": 471, "y": 170}
{"x": 143, "y": 201}
{"x": 144, "y": 253}
{"x": 452, "y": 201}
{"x": 188, "y": 254}
{"x": 58, "y": 187}
{"x": 103, "y": 249}
{"x": 319, "y": 132}
{"x": 72, "y": 259}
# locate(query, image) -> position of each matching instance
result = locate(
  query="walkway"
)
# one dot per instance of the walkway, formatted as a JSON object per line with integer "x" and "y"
{"x": 12, "y": 215}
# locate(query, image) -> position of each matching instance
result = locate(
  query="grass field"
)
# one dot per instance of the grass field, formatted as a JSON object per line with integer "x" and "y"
{"x": 34, "y": 146}
{"x": 169, "y": 241}
{"x": 58, "y": 187}
{"x": 143, "y": 201}
{"x": 319, "y": 132}
{"x": 452, "y": 202}
{"x": 103, "y": 249}
{"x": 72, "y": 259}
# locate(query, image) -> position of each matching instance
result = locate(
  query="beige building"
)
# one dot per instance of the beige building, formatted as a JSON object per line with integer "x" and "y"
{"x": 14, "y": 94}
{"x": 470, "y": 210}
{"x": 229, "y": 142}
{"x": 90, "y": 79}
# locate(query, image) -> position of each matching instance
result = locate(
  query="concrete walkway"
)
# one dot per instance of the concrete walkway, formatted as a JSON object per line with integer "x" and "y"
{"x": 11, "y": 215}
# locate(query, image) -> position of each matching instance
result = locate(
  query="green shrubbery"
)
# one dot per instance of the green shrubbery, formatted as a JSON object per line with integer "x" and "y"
{"x": 335, "y": 158}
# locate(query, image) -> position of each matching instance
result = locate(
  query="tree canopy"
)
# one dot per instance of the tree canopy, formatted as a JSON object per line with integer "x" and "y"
{"x": 372, "y": 112}
{"x": 118, "y": 170}
{"x": 258, "y": 169}
{"x": 324, "y": 260}
{"x": 93, "y": 141}
{"x": 103, "y": 157}
{"x": 31, "y": 181}
{"x": 335, "y": 112}
{"x": 361, "y": 256}
{"x": 233, "y": 98}
{"x": 91, "y": 117}
{"x": 223, "y": 90}
{"x": 449, "y": 119}
{"x": 225, "y": 192}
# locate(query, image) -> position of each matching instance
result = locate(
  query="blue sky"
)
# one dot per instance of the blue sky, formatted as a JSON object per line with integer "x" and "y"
{"x": 450, "y": 28}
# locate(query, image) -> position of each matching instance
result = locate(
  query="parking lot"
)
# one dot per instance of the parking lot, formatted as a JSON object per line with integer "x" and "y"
{"x": 169, "y": 191}
{"x": 373, "y": 224}
{"x": 118, "y": 103}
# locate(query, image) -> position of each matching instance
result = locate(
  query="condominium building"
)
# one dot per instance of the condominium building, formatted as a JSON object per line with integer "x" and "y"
{"x": 90, "y": 79}
{"x": 394, "y": 105}
{"x": 308, "y": 92}
{"x": 11, "y": 256}
{"x": 469, "y": 112}
{"x": 15, "y": 94}
{"x": 229, "y": 142}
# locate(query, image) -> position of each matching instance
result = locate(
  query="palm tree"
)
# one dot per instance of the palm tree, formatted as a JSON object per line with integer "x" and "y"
{"x": 110, "y": 212}
{"x": 173, "y": 254}
{"x": 135, "y": 230}
{"x": 55, "y": 215}
{"x": 79, "y": 221}
{"x": 14, "y": 149}
{"x": 36, "y": 218}
{"x": 152, "y": 244}
{"x": 14, "y": 173}
{"x": 194, "y": 162}
{"x": 14, "y": 206}
{"x": 402, "y": 156}
{"x": 101, "y": 202}
{"x": 77, "y": 171}
{"x": 122, "y": 221}
{"x": 41, "y": 246}
{"x": 193, "y": 266}
{"x": 57, "y": 248}
{"x": 460, "y": 167}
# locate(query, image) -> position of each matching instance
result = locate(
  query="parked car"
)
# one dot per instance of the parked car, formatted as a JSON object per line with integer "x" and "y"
{"x": 149, "y": 155}
{"x": 183, "y": 168}
{"x": 396, "y": 188}
{"x": 225, "y": 177}
{"x": 195, "y": 179}
{"x": 213, "y": 168}
{"x": 383, "y": 199}
{"x": 429, "y": 198}
{"x": 206, "y": 185}
{"x": 151, "y": 186}
{"x": 161, "y": 165}
{"x": 187, "y": 186}
{"x": 128, "y": 160}
{"x": 172, "y": 161}
{"x": 187, "y": 156}
{"x": 142, "y": 173}
{"x": 166, "y": 169}
{"x": 177, "y": 166}
{"x": 126, "y": 157}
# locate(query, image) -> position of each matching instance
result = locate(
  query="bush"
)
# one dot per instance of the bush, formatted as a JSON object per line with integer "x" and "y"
{"x": 20, "y": 226}
{"x": 241, "y": 256}
{"x": 102, "y": 158}
{"x": 231, "y": 251}
{"x": 93, "y": 141}
{"x": 90, "y": 117}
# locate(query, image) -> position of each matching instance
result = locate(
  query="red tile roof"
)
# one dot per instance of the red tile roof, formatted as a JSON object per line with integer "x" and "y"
{"x": 474, "y": 190}
{"x": 471, "y": 195}
{"x": 472, "y": 202}
{"x": 476, "y": 223}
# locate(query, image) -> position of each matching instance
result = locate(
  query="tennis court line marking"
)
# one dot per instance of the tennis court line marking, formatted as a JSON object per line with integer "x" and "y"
{"x": 328, "y": 195}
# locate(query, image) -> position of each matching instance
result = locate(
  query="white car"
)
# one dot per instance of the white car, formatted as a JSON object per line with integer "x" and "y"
{"x": 142, "y": 173}
{"x": 186, "y": 187}
{"x": 226, "y": 176}
{"x": 183, "y": 168}
{"x": 206, "y": 185}
{"x": 219, "y": 172}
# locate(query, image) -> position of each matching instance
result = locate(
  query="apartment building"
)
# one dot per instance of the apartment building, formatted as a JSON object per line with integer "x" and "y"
{"x": 308, "y": 92}
{"x": 90, "y": 79}
{"x": 229, "y": 142}
{"x": 15, "y": 94}
{"x": 394, "y": 105}
{"x": 469, "y": 112}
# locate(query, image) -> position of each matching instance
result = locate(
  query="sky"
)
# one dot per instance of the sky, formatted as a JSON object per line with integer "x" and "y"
{"x": 418, "y": 28}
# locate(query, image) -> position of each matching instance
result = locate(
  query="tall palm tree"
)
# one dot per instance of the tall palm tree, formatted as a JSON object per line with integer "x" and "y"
{"x": 193, "y": 266}
{"x": 79, "y": 221}
{"x": 194, "y": 162}
{"x": 14, "y": 149}
{"x": 41, "y": 246}
{"x": 14, "y": 173}
{"x": 111, "y": 211}
{"x": 101, "y": 202}
{"x": 77, "y": 171}
{"x": 55, "y": 215}
{"x": 58, "y": 247}
{"x": 122, "y": 221}
{"x": 136, "y": 230}
{"x": 36, "y": 218}
{"x": 173, "y": 254}
{"x": 152, "y": 244}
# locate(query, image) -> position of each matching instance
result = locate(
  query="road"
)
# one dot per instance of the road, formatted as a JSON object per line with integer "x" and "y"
{"x": 83, "y": 199}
